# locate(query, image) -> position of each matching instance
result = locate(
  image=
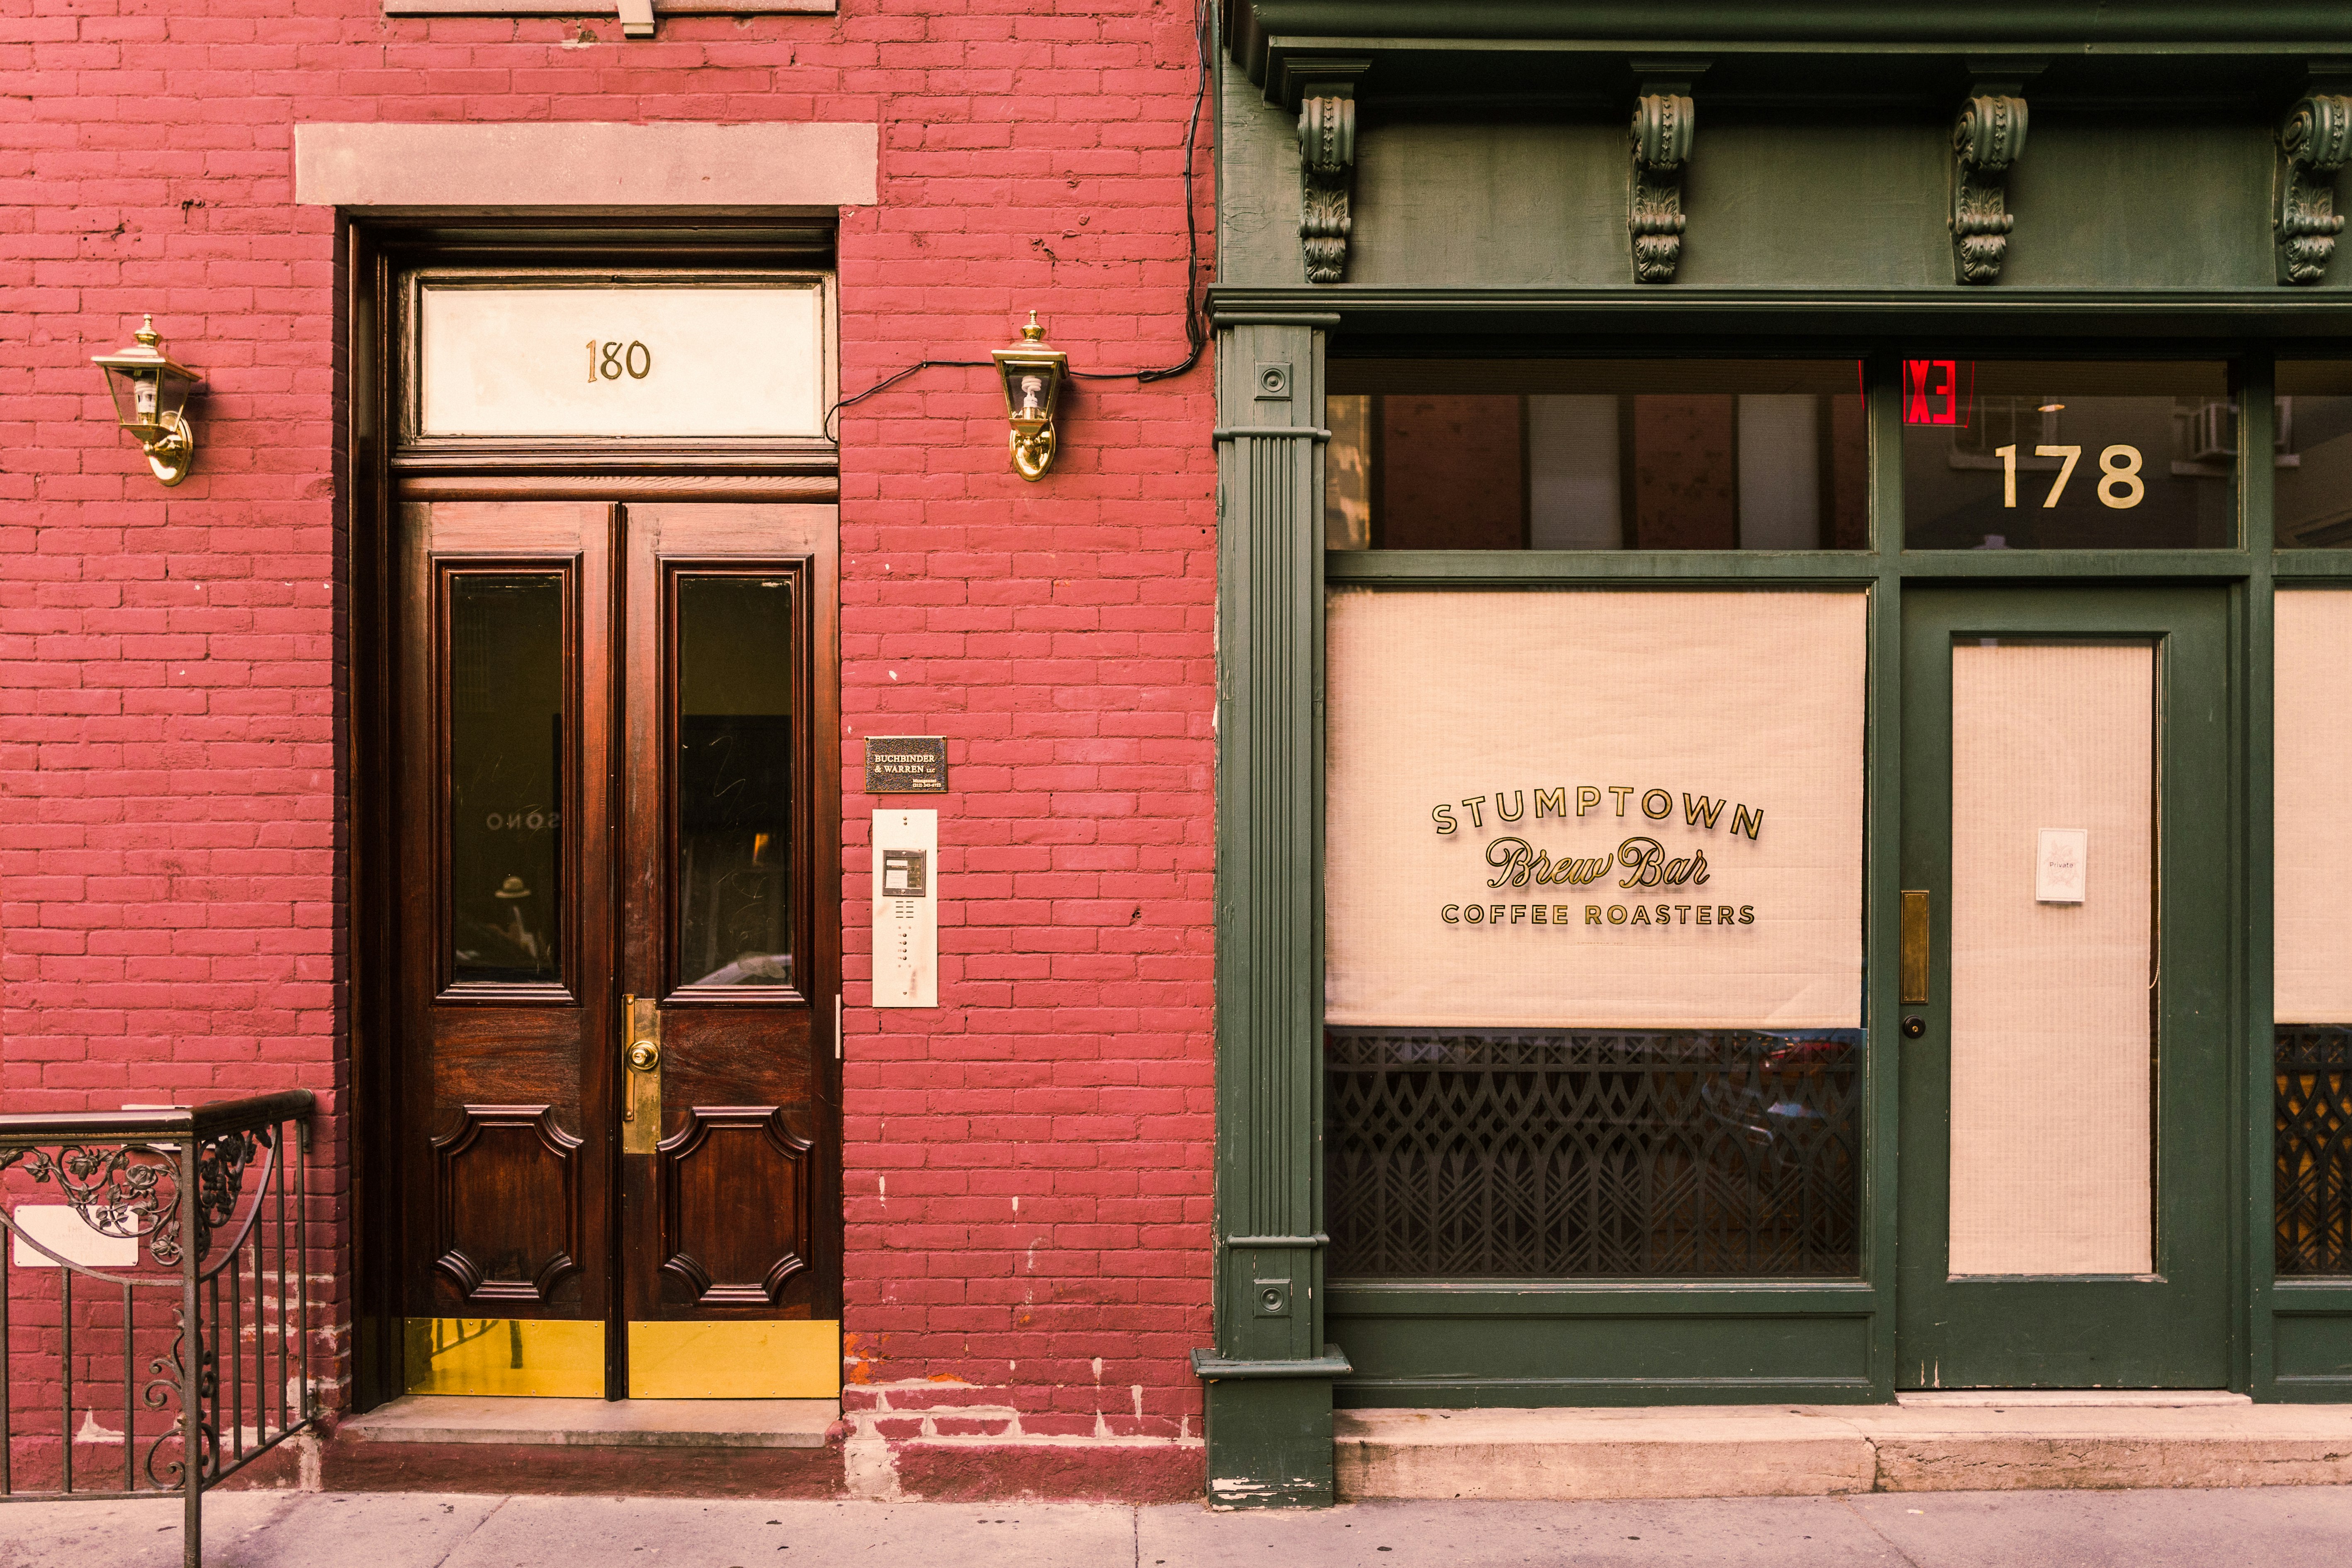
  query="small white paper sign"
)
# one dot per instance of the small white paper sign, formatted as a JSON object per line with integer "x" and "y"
{"x": 2060, "y": 865}
{"x": 63, "y": 1232}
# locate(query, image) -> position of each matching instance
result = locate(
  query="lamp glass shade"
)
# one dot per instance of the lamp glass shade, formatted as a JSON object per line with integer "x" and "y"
{"x": 150, "y": 391}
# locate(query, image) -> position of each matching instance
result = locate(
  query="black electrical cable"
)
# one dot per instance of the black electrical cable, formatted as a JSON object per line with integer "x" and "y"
{"x": 1196, "y": 316}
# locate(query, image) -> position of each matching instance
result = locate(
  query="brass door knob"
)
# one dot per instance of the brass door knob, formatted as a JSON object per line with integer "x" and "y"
{"x": 645, "y": 1056}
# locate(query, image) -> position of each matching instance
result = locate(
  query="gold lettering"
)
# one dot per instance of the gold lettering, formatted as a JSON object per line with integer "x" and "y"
{"x": 1552, "y": 800}
{"x": 1726, "y": 915}
{"x": 1474, "y": 913}
{"x": 1678, "y": 870}
{"x": 1519, "y": 913}
{"x": 1444, "y": 816}
{"x": 1665, "y": 805}
{"x": 1451, "y": 914}
{"x": 1704, "y": 911}
{"x": 1644, "y": 862}
{"x": 1587, "y": 798}
{"x": 1593, "y": 915}
{"x": 1538, "y": 915}
{"x": 1560, "y": 914}
{"x": 1747, "y": 914}
{"x": 1641, "y": 914}
{"x": 1478, "y": 804}
{"x": 1495, "y": 915}
{"x": 1520, "y": 805}
{"x": 1666, "y": 914}
{"x": 1684, "y": 911}
{"x": 1513, "y": 860}
{"x": 1701, "y": 810}
{"x": 1616, "y": 914}
{"x": 1620, "y": 792}
{"x": 1748, "y": 822}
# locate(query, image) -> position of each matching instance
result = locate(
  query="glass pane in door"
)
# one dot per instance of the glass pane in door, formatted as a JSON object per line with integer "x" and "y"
{"x": 506, "y": 775}
{"x": 2054, "y": 988}
{"x": 736, "y": 675}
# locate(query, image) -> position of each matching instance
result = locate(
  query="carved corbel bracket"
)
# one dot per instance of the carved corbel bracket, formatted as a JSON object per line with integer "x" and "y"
{"x": 1663, "y": 125}
{"x": 1986, "y": 139}
{"x": 2313, "y": 144}
{"x": 1327, "y": 167}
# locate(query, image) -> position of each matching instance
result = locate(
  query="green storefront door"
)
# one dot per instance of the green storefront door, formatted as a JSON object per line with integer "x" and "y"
{"x": 2068, "y": 818}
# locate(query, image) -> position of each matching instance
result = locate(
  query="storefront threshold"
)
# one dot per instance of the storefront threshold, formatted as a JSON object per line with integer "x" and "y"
{"x": 631, "y": 1447}
{"x": 600, "y": 1423}
{"x": 1976, "y": 1442}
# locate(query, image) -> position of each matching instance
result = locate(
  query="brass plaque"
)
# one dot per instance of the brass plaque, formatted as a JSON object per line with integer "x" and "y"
{"x": 1915, "y": 945}
{"x": 906, "y": 764}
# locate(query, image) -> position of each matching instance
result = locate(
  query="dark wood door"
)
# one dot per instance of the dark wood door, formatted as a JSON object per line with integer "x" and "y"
{"x": 618, "y": 1116}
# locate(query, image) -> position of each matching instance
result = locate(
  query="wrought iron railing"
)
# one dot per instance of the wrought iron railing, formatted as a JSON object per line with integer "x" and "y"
{"x": 1543, "y": 1154}
{"x": 181, "y": 1242}
{"x": 2314, "y": 1148}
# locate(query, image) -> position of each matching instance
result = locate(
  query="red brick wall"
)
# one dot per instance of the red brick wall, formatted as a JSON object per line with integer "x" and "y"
{"x": 1028, "y": 1166}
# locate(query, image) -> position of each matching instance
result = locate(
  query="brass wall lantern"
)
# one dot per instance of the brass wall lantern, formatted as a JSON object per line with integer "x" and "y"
{"x": 150, "y": 394}
{"x": 1033, "y": 372}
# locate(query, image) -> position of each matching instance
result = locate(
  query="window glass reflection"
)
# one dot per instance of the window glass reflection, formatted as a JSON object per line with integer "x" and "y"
{"x": 735, "y": 682}
{"x": 1596, "y": 455}
{"x": 506, "y": 775}
{"x": 2050, "y": 454}
{"x": 2313, "y": 495}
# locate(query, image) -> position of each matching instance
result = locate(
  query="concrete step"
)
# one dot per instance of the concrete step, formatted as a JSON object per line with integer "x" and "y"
{"x": 1969, "y": 1443}
{"x": 637, "y": 1448}
{"x": 600, "y": 1423}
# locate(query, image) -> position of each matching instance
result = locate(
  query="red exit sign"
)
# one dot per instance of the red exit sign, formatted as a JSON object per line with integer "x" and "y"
{"x": 1936, "y": 391}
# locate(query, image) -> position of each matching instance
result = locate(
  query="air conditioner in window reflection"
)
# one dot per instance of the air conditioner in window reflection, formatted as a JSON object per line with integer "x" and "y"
{"x": 2204, "y": 435}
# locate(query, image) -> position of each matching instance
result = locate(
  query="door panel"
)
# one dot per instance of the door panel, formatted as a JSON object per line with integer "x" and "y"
{"x": 620, "y": 1108}
{"x": 2066, "y": 818}
{"x": 505, "y": 916}
{"x": 720, "y": 782}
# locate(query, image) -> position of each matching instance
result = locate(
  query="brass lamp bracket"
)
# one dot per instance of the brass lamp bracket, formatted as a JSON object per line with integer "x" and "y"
{"x": 2313, "y": 141}
{"x": 1664, "y": 121}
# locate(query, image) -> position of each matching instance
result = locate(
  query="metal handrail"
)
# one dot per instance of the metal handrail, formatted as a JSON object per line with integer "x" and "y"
{"x": 189, "y": 1186}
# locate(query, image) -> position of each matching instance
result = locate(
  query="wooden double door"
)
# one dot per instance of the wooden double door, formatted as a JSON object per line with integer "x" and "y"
{"x": 615, "y": 819}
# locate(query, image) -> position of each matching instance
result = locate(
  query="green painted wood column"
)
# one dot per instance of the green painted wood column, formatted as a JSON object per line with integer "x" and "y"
{"x": 1268, "y": 1379}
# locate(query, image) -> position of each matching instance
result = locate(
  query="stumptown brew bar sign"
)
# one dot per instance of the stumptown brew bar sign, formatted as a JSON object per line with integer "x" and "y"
{"x": 1616, "y": 809}
{"x": 1640, "y": 861}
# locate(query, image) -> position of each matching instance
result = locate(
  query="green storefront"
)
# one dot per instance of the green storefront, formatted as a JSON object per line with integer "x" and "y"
{"x": 1786, "y": 692}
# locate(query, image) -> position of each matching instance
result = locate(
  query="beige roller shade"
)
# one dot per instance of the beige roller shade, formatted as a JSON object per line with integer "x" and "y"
{"x": 2312, "y": 747}
{"x": 1741, "y": 714}
{"x": 2051, "y": 999}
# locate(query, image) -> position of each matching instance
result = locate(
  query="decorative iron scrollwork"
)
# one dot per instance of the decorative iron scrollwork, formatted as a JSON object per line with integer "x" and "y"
{"x": 2313, "y": 144}
{"x": 2313, "y": 1187}
{"x": 164, "y": 1388}
{"x": 1327, "y": 162}
{"x": 132, "y": 1191}
{"x": 1663, "y": 123}
{"x": 1560, "y": 1153}
{"x": 1987, "y": 139}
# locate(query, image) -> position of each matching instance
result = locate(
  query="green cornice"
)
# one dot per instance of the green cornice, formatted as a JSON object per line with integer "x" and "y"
{"x": 1468, "y": 314}
{"x": 1859, "y": 41}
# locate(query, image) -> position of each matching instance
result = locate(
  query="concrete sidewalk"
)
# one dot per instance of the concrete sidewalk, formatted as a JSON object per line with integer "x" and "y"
{"x": 2270, "y": 1527}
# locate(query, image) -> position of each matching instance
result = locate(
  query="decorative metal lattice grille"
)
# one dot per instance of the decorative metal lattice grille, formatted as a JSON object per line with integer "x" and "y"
{"x": 1547, "y": 1154}
{"x": 2314, "y": 1150}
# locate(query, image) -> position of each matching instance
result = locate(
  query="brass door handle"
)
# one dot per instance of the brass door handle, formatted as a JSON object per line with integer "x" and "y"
{"x": 641, "y": 1086}
{"x": 1914, "y": 966}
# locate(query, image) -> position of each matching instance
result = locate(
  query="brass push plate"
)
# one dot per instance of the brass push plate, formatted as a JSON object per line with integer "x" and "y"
{"x": 1915, "y": 945}
{"x": 641, "y": 1071}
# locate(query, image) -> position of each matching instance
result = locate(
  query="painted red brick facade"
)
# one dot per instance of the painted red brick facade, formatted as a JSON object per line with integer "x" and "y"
{"x": 1028, "y": 1166}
